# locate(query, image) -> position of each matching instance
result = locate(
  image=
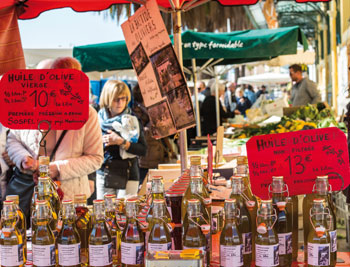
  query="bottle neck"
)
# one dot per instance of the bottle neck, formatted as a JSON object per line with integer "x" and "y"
{"x": 196, "y": 186}
{"x": 321, "y": 187}
{"x": 157, "y": 187}
{"x": 68, "y": 212}
{"x": 80, "y": 204}
{"x": 9, "y": 216}
{"x": 196, "y": 170}
{"x": 131, "y": 210}
{"x": 158, "y": 210}
{"x": 241, "y": 170}
{"x": 44, "y": 188}
{"x": 237, "y": 187}
{"x": 99, "y": 212}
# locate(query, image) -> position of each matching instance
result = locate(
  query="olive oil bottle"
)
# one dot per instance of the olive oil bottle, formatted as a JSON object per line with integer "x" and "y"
{"x": 321, "y": 191}
{"x": 284, "y": 221}
{"x": 83, "y": 224}
{"x": 68, "y": 240}
{"x": 266, "y": 242}
{"x": 157, "y": 192}
{"x": 242, "y": 170}
{"x": 43, "y": 240}
{"x": 21, "y": 223}
{"x": 45, "y": 193}
{"x": 100, "y": 241}
{"x": 244, "y": 222}
{"x": 193, "y": 235}
{"x": 196, "y": 170}
{"x": 113, "y": 226}
{"x": 318, "y": 241}
{"x": 11, "y": 240}
{"x": 44, "y": 164}
{"x": 159, "y": 237}
{"x": 132, "y": 246}
{"x": 231, "y": 243}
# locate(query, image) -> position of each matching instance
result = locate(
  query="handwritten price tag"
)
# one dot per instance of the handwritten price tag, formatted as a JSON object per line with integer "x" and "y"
{"x": 60, "y": 97}
{"x": 299, "y": 157}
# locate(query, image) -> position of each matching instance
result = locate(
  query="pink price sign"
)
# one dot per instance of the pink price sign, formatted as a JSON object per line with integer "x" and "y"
{"x": 299, "y": 157}
{"x": 60, "y": 97}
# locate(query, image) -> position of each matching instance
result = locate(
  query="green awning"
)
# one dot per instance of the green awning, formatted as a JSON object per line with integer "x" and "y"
{"x": 234, "y": 47}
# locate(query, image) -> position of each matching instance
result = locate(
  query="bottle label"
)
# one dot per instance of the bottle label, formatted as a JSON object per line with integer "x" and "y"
{"x": 231, "y": 256}
{"x": 69, "y": 255}
{"x": 11, "y": 255}
{"x": 318, "y": 254}
{"x": 44, "y": 255}
{"x": 247, "y": 243}
{"x": 203, "y": 250}
{"x": 159, "y": 247}
{"x": 333, "y": 237}
{"x": 266, "y": 255}
{"x": 100, "y": 255}
{"x": 132, "y": 253}
{"x": 285, "y": 243}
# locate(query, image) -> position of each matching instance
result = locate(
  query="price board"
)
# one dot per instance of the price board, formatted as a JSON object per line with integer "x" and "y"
{"x": 60, "y": 97}
{"x": 299, "y": 157}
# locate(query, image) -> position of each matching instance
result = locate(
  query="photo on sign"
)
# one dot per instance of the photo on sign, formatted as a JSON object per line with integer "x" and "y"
{"x": 161, "y": 121}
{"x": 181, "y": 107}
{"x": 323, "y": 255}
{"x": 275, "y": 255}
{"x": 139, "y": 58}
{"x": 167, "y": 69}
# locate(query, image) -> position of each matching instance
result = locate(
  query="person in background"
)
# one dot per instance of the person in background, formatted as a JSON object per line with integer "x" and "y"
{"x": 202, "y": 89}
{"x": 201, "y": 97}
{"x": 261, "y": 91}
{"x": 304, "y": 91}
{"x": 114, "y": 101}
{"x": 158, "y": 151}
{"x": 208, "y": 111}
{"x": 80, "y": 152}
{"x": 5, "y": 163}
{"x": 243, "y": 102}
{"x": 250, "y": 94}
{"x": 230, "y": 98}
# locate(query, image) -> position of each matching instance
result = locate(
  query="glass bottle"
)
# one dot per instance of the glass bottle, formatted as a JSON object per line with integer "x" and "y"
{"x": 244, "y": 223}
{"x": 83, "y": 224}
{"x": 266, "y": 240}
{"x": 159, "y": 237}
{"x": 284, "y": 221}
{"x": 44, "y": 166}
{"x": 21, "y": 223}
{"x": 193, "y": 235}
{"x": 100, "y": 241}
{"x": 242, "y": 170}
{"x": 11, "y": 240}
{"x": 113, "y": 226}
{"x": 318, "y": 241}
{"x": 132, "y": 246}
{"x": 68, "y": 240}
{"x": 231, "y": 243}
{"x": 157, "y": 192}
{"x": 321, "y": 191}
{"x": 196, "y": 170}
{"x": 45, "y": 193}
{"x": 196, "y": 186}
{"x": 43, "y": 240}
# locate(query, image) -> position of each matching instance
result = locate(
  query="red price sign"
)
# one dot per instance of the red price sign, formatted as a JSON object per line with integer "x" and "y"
{"x": 60, "y": 97}
{"x": 299, "y": 157}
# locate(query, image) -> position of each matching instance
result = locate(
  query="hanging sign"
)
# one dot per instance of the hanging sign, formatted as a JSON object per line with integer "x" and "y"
{"x": 161, "y": 79}
{"x": 60, "y": 97}
{"x": 299, "y": 157}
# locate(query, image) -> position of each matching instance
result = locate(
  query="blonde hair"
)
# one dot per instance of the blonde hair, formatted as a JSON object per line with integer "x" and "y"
{"x": 111, "y": 90}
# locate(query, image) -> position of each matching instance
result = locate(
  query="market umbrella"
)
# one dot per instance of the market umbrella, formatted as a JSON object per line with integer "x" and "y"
{"x": 233, "y": 48}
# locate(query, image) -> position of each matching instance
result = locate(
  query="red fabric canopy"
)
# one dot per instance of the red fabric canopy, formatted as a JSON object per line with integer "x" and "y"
{"x": 34, "y": 8}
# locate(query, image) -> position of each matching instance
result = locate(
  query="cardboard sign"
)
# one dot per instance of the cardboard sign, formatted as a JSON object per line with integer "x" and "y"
{"x": 161, "y": 79}
{"x": 299, "y": 157}
{"x": 60, "y": 97}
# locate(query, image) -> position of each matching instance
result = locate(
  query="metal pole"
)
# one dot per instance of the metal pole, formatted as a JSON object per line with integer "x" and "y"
{"x": 195, "y": 90}
{"x": 178, "y": 51}
{"x": 333, "y": 15}
{"x": 325, "y": 53}
{"x": 217, "y": 98}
